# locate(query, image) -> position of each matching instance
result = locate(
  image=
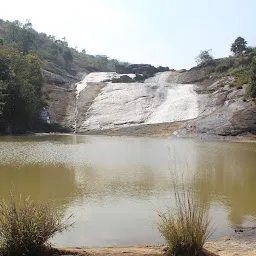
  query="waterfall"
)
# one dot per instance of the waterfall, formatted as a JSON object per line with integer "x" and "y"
{"x": 114, "y": 105}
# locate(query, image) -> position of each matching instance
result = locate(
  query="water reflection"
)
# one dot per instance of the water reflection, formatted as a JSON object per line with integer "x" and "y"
{"x": 40, "y": 182}
{"x": 226, "y": 174}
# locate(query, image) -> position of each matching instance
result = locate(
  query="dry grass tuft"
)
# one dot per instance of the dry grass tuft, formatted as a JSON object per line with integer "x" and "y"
{"x": 186, "y": 228}
{"x": 26, "y": 226}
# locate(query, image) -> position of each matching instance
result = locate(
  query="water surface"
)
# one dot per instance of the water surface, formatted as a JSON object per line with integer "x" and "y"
{"x": 114, "y": 186}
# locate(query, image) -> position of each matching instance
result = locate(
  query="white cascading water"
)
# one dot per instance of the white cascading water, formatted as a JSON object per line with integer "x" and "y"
{"x": 124, "y": 104}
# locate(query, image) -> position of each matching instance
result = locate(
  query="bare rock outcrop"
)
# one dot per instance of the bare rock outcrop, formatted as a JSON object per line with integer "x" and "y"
{"x": 224, "y": 109}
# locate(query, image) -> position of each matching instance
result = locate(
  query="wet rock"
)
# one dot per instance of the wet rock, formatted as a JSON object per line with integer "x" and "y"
{"x": 123, "y": 79}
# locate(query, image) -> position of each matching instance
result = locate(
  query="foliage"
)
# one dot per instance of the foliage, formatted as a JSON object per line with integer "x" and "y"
{"x": 241, "y": 75}
{"x": 21, "y": 82}
{"x": 203, "y": 57}
{"x": 68, "y": 57}
{"x": 22, "y": 52}
{"x": 24, "y": 38}
{"x": 20, "y": 36}
{"x": 224, "y": 65}
{"x": 25, "y": 226}
{"x": 239, "y": 46}
{"x": 188, "y": 227}
{"x": 251, "y": 88}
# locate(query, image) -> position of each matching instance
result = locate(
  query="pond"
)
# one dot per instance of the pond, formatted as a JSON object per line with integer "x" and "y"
{"x": 115, "y": 186}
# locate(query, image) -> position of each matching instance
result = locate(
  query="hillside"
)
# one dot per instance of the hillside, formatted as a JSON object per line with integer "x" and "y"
{"x": 217, "y": 97}
{"x": 60, "y": 65}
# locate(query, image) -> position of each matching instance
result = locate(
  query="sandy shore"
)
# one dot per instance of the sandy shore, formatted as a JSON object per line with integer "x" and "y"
{"x": 241, "y": 244}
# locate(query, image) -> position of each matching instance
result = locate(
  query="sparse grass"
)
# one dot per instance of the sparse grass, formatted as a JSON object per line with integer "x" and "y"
{"x": 26, "y": 226}
{"x": 186, "y": 228}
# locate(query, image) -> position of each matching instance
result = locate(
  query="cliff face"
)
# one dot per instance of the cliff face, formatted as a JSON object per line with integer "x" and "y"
{"x": 194, "y": 102}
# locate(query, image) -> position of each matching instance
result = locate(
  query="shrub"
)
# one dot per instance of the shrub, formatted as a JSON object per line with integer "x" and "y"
{"x": 26, "y": 226}
{"x": 241, "y": 74}
{"x": 186, "y": 229}
{"x": 251, "y": 87}
{"x": 224, "y": 65}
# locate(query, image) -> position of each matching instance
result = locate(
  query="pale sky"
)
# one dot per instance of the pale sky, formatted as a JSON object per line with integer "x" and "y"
{"x": 158, "y": 32}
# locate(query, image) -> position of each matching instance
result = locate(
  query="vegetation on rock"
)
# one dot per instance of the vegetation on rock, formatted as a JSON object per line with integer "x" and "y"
{"x": 240, "y": 66}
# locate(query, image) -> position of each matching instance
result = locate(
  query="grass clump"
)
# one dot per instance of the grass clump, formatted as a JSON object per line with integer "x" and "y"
{"x": 187, "y": 228}
{"x": 26, "y": 226}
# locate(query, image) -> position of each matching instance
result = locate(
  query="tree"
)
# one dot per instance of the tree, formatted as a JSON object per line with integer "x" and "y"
{"x": 203, "y": 57}
{"x": 20, "y": 36}
{"x": 84, "y": 51}
{"x": 68, "y": 57}
{"x": 56, "y": 49}
{"x": 27, "y": 41}
{"x": 1, "y": 41}
{"x": 102, "y": 61}
{"x": 239, "y": 46}
{"x": 13, "y": 31}
{"x": 21, "y": 97}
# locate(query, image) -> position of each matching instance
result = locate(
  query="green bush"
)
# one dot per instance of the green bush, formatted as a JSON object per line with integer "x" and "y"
{"x": 224, "y": 65}
{"x": 241, "y": 74}
{"x": 186, "y": 229}
{"x": 251, "y": 87}
{"x": 26, "y": 226}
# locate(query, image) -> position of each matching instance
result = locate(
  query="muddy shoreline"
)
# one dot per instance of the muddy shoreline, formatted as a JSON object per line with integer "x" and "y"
{"x": 166, "y": 130}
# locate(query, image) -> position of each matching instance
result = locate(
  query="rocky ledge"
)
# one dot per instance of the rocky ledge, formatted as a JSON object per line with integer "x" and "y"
{"x": 224, "y": 109}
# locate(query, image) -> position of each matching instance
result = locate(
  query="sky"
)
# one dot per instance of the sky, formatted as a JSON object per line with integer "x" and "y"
{"x": 159, "y": 32}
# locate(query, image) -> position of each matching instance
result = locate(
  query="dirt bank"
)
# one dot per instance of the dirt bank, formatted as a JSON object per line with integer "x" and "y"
{"x": 153, "y": 130}
{"x": 167, "y": 130}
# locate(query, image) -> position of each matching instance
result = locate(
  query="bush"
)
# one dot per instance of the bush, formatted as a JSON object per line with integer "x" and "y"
{"x": 186, "y": 229}
{"x": 251, "y": 87}
{"x": 224, "y": 65}
{"x": 25, "y": 226}
{"x": 241, "y": 74}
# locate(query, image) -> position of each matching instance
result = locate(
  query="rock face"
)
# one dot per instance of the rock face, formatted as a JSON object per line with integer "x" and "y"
{"x": 204, "y": 105}
{"x": 122, "y": 105}
{"x": 223, "y": 110}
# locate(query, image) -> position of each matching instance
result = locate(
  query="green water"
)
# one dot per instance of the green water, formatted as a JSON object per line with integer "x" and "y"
{"x": 114, "y": 186}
